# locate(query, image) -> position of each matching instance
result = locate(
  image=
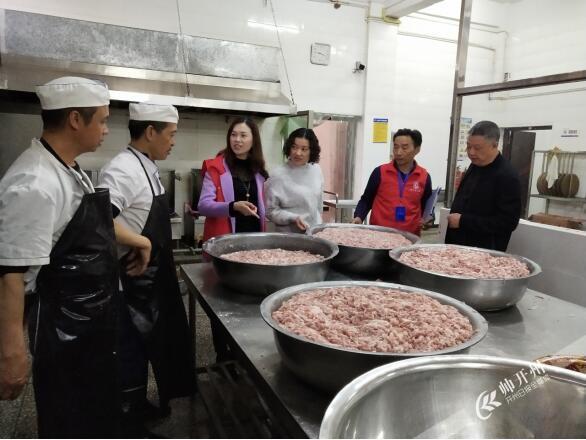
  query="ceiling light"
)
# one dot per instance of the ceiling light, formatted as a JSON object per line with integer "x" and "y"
{"x": 272, "y": 27}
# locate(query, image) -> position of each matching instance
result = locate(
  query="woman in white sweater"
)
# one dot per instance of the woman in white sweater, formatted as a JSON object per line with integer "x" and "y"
{"x": 294, "y": 192}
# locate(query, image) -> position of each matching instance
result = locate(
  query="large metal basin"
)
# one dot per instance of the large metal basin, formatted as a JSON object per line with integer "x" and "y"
{"x": 263, "y": 279}
{"x": 459, "y": 397}
{"x": 363, "y": 261}
{"x": 482, "y": 294}
{"x": 329, "y": 367}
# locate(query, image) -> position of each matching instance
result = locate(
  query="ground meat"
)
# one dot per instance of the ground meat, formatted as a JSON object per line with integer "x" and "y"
{"x": 364, "y": 238}
{"x": 374, "y": 319}
{"x": 276, "y": 257}
{"x": 467, "y": 263}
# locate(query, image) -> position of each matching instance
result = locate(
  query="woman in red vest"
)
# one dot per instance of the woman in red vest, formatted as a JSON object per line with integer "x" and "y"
{"x": 397, "y": 191}
{"x": 231, "y": 198}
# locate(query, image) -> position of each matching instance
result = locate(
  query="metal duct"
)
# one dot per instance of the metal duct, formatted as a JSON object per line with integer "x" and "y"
{"x": 140, "y": 65}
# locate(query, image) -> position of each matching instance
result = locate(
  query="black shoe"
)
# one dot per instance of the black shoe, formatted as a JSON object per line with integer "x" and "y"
{"x": 152, "y": 412}
{"x": 144, "y": 410}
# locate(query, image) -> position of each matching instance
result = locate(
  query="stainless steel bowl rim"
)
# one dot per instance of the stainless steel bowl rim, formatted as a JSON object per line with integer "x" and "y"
{"x": 242, "y": 236}
{"x": 409, "y": 236}
{"x": 365, "y": 383}
{"x": 395, "y": 254}
{"x": 476, "y": 319}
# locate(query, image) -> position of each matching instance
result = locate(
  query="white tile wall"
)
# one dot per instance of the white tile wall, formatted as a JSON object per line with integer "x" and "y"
{"x": 378, "y": 102}
{"x": 545, "y": 37}
{"x": 564, "y": 273}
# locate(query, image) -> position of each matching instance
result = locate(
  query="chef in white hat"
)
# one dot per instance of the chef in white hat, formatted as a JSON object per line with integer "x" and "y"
{"x": 153, "y": 321}
{"x": 57, "y": 250}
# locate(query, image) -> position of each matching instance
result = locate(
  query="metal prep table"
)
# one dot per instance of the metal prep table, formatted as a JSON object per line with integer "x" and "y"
{"x": 538, "y": 325}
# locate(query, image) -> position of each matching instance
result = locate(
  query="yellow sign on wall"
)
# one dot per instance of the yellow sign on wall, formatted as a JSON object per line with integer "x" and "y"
{"x": 380, "y": 130}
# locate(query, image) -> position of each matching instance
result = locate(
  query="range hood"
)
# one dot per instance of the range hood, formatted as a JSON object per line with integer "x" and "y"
{"x": 140, "y": 65}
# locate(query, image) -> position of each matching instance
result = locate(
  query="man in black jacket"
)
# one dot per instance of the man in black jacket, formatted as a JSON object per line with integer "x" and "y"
{"x": 487, "y": 206}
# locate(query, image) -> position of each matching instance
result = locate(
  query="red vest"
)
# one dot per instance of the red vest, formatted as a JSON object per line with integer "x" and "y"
{"x": 214, "y": 226}
{"x": 388, "y": 197}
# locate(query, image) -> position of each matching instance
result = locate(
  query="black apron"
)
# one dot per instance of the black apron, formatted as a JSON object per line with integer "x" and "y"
{"x": 72, "y": 327}
{"x": 156, "y": 308}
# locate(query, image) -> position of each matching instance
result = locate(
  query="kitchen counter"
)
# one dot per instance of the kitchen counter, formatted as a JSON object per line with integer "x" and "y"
{"x": 340, "y": 204}
{"x": 538, "y": 325}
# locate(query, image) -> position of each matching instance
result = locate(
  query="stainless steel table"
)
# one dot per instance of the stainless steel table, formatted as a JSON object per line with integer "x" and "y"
{"x": 538, "y": 325}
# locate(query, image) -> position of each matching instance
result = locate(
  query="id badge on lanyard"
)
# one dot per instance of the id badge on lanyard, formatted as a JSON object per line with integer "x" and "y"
{"x": 401, "y": 211}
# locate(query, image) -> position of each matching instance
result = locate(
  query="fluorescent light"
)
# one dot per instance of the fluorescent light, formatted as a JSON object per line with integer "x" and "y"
{"x": 272, "y": 27}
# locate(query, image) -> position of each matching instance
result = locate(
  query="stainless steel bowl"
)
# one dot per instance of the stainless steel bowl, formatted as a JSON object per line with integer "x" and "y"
{"x": 329, "y": 367}
{"x": 363, "y": 261}
{"x": 481, "y": 293}
{"x": 460, "y": 397}
{"x": 263, "y": 279}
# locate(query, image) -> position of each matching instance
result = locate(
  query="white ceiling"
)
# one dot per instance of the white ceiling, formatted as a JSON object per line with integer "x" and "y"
{"x": 392, "y": 8}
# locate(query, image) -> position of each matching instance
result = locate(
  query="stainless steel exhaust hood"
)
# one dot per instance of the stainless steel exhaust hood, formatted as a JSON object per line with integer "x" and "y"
{"x": 141, "y": 65}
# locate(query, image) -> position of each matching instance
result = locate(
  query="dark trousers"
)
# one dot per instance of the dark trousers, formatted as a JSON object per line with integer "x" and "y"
{"x": 132, "y": 359}
{"x": 75, "y": 387}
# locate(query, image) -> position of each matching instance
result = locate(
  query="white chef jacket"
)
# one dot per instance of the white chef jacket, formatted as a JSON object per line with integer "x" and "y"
{"x": 38, "y": 197}
{"x": 130, "y": 191}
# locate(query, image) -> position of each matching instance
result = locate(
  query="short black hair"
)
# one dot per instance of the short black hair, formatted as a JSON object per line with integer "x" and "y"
{"x": 304, "y": 133}
{"x": 137, "y": 128}
{"x": 56, "y": 119}
{"x": 486, "y": 129}
{"x": 413, "y": 134}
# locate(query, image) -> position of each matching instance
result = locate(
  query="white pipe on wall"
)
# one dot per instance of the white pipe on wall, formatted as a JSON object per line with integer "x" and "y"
{"x": 531, "y": 95}
{"x": 454, "y": 21}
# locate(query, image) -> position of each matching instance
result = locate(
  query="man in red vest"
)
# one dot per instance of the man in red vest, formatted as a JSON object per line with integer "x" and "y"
{"x": 397, "y": 191}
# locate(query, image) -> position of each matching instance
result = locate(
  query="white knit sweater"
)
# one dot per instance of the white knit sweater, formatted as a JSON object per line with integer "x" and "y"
{"x": 294, "y": 191}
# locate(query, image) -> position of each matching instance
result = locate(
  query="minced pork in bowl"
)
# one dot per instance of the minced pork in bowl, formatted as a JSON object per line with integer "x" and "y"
{"x": 264, "y": 277}
{"x": 374, "y": 316}
{"x": 479, "y": 277}
{"x": 364, "y": 249}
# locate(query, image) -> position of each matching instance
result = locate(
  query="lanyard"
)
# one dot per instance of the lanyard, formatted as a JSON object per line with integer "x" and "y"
{"x": 79, "y": 176}
{"x": 82, "y": 179}
{"x": 402, "y": 181}
{"x": 156, "y": 175}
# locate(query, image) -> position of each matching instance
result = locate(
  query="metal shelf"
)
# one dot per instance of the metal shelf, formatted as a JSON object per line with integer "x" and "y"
{"x": 547, "y": 198}
{"x": 560, "y": 199}
{"x": 577, "y": 153}
{"x": 233, "y": 404}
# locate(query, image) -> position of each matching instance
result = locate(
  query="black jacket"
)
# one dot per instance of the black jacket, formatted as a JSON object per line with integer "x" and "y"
{"x": 489, "y": 199}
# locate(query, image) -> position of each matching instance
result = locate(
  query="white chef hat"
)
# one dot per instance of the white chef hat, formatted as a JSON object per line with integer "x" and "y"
{"x": 71, "y": 91}
{"x": 153, "y": 112}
